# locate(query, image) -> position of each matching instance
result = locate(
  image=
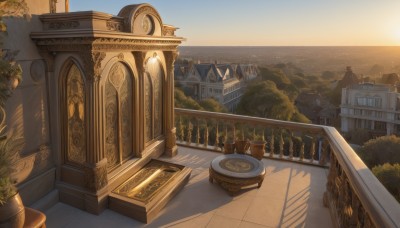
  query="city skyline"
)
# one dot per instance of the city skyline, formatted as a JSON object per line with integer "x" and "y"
{"x": 273, "y": 23}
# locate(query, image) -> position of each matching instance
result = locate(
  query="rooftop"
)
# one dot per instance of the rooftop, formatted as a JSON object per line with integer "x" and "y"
{"x": 291, "y": 196}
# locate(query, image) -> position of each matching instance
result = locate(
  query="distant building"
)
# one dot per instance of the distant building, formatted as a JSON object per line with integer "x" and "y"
{"x": 374, "y": 107}
{"x": 316, "y": 108}
{"x": 348, "y": 79}
{"x": 223, "y": 82}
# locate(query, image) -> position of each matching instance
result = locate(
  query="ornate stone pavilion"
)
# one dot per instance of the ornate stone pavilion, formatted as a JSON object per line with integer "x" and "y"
{"x": 101, "y": 87}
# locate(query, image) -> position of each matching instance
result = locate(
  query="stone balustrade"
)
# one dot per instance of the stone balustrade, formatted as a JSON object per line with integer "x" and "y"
{"x": 353, "y": 194}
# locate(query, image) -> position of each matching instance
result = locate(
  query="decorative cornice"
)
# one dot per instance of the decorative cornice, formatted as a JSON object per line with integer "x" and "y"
{"x": 105, "y": 44}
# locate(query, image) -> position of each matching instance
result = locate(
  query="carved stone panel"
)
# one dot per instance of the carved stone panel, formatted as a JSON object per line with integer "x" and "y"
{"x": 119, "y": 115}
{"x": 126, "y": 117}
{"x": 76, "y": 151}
{"x": 111, "y": 130}
{"x": 158, "y": 103}
{"x": 148, "y": 108}
{"x": 153, "y": 100}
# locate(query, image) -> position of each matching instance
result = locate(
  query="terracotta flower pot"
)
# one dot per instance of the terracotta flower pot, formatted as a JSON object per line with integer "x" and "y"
{"x": 12, "y": 213}
{"x": 242, "y": 146}
{"x": 257, "y": 149}
{"x": 229, "y": 147}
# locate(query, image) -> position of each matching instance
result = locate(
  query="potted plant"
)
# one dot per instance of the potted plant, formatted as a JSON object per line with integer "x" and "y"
{"x": 241, "y": 144}
{"x": 257, "y": 147}
{"x": 229, "y": 146}
{"x": 12, "y": 210}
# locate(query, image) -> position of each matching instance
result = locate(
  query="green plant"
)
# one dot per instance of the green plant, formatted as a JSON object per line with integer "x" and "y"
{"x": 389, "y": 176}
{"x": 8, "y": 148}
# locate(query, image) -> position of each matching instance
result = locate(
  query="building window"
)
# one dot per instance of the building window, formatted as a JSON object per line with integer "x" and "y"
{"x": 380, "y": 126}
{"x": 357, "y": 112}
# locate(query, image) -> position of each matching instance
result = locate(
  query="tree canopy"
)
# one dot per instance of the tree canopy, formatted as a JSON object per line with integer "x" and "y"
{"x": 389, "y": 176}
{"x": 182, "y": 101}
{"x": 385, "y": 149}
{"x": 264, "y": 99}
{"x": 276, "y": 75}
{"x": 212, "y": 105}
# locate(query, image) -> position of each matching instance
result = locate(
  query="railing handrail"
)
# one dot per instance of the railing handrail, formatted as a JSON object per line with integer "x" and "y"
{"x": 312, "y": 128}
{"x": 377, "y": 201}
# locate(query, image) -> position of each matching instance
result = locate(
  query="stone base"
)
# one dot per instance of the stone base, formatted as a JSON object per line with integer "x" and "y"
{"x": 144, "y": 194}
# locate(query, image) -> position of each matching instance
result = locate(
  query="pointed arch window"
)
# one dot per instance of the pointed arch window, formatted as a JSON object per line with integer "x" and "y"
{"x": 118, "y": 115}
{"x": 76, "y": 133}
{"x": 153, "y": 85}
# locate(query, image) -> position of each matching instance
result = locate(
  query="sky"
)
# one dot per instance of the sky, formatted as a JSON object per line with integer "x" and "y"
{"x": 272, "y": 22}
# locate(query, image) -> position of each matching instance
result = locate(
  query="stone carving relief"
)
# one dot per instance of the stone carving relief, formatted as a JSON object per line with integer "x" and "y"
{"x": 96, "y": 177}
{"x": 63, "y": 25}
{"x": 92, "y": 63}
{"x": 148, "y": 108}
{"x": 38, "y": 70}
{"x": 153, "y": 100}
{"x": 114, "y": 26}
{"x": 126, "y": 98}
{"x": 76, "y": 151}
{"x": 119, "y": 114}
{"x": 53, "y": 4}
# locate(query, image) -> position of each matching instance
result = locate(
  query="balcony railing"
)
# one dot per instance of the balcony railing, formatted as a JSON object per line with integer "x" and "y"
{"x": 353, "y": 194}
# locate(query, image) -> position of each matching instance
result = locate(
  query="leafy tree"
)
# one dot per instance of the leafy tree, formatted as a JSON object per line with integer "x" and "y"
{"x": 298, "y": 81}
{"x": 389, "y": 176}
{"x": 265, "y": 100}
{"x": 275, "y": 75}
{"x": 212, "y": 105}
{"x": 300, "y": 118}
{"x": 385, "y": 149}
{"x": 182, "y": 101}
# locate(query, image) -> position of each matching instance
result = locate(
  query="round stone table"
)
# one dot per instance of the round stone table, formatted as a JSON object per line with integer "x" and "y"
{"x": 235, "y": 171}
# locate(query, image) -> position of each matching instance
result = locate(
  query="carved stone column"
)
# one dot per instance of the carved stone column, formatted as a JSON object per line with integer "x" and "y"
{"x": 170, "y": 146}
{"x": 139, "y": 60}
{"x": 96, "y": 166}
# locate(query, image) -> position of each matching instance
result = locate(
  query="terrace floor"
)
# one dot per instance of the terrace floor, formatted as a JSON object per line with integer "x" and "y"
{"x": 291, "y": 196}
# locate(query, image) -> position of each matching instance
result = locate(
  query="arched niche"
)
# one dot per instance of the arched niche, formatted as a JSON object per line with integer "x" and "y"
{"x": 153, "y": 99}
{"x": 119, "y": 121}
{"x": 73, "y": 114}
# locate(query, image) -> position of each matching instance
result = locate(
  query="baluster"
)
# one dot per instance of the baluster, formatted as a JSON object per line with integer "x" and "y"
{"x": 226, "y": 133}
{"x": 189, "y": 133}
{"x": 234, "y": 132}
{"x": 182, "y": 130}
{"x": 302, "y": 152}
{"x": 198, "y": 134}
{"x": 324, "y": 152}
{"x": 206, "y": 137}
{"x": 216, "y": 139}
{"x": 281, "y": 144}
{"x": 263, "y": 136}
{"x": 272, "y": 145}
{"x": 312, "y": 150}
{"x": 291, "y": 146}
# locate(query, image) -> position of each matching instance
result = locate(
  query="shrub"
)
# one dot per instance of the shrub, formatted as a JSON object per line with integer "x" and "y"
{"x": 389, "y": 176}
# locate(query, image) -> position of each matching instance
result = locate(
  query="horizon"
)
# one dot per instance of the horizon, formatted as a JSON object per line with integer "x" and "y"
{"x": 270, "y": 23}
